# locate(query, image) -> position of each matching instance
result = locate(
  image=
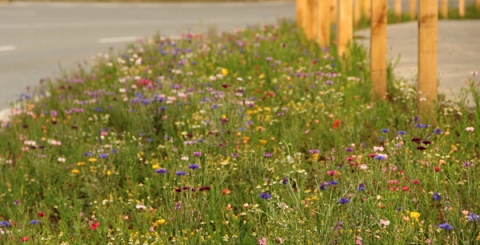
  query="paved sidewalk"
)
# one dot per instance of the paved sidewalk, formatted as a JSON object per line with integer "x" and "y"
{"x": 458, "y": 52}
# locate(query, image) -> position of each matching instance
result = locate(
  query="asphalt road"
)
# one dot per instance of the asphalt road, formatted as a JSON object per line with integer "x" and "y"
{"x": 37, "y": 38}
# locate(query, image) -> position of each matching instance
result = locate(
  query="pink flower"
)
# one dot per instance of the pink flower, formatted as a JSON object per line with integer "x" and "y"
{"x": 262, "y": 241}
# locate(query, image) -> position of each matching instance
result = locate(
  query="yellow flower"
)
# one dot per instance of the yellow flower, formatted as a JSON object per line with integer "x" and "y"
{"x": 155, "y": 166}
{"x": 75, "y": 171}
{"x": 80, "y": 163}
{"x": 93, "y": 159}
{"x": 159, "y": 222}
{"x": 415, "y": 215}
{"x": 263, "y": 142}
{"x": 224, "y": 71}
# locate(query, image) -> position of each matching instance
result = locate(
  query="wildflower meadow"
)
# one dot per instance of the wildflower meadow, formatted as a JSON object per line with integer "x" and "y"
{"x": 255, "y": 136}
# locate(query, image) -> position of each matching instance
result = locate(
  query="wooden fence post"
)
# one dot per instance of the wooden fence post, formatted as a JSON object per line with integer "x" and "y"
{"x": 358, "y": 12}
{"x": 461, "y": 8}
{"x": 345, "y": 22}
{"x": 300, "y": 12}
{"x": 477, "y": 3}
{"x": 333, "y": 10}
{"x": 427, "y": 59}
{"x": 309, "y": 19}
{"x": 324, "y": 23}
{"x": 413, "y": 9}
{"x": 398, "y": 9}
{"x": 444, "y": 9}
{"x": 378, "y": 48}
{"x": 367, "y": 8}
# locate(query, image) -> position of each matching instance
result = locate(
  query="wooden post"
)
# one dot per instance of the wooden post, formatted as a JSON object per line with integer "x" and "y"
{"x": 334, "y": 10}
{"x": 427, "y": 58}
{"x": 477, "y": 3}
{"x": 398, "y": 9}
{"x": 300, "y": 11}
{"x": 345, "y": 30}
{"x": 307, "y": 19}
{"x": 324, "y": 23}
{"x": 378, "y": 49}
{"x": 461, "y": 8}
{"x": 358, "y": 12}
{"x": 367, "y": 8}
{"x": 444, "y": 9}
{"x": 413, "y": 9}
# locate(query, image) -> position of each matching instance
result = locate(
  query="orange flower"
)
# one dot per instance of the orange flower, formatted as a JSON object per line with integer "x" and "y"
{"x": 336, "y": 123}
{"x": 226, "y": 191}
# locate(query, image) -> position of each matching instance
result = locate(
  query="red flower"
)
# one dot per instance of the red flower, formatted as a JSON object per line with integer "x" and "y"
{"x": 336, "y": 123}
{"x": 226, "y": 191}
{"x": 95, "y": 225}
{"x": 25, "y": 239}
{"x": 436, "y": 168}
{"x": 405, "y": 188}
{"x": 41, "y": 214}
{"x": 331, "y": 173}
{"x": 415, "y": 181}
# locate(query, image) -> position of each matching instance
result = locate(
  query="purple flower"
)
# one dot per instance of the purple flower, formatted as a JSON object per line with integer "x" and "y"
{"x": 204, "y": 188}
{"x": 314, "y": 151}
{"x": 197, "y": 154}
{"x": 284, "y": 181}
{"x": 361, "y": 187}
{"x": 267, "y": 154}
{"x": 401, "y": 132}
{"x": 323, "y": 186}
{"x": 445, "y": 226}
{"x": 265, "y": 195}
{"x": 379, "y": 157}
{"x": 385, "y": 130}
{"x": 180, "y": 173}
{"x": 436, "y": 196}
{"x": 5, "y": 223}
{"x": 343, "y": 201}
{"x": 35, "y": 222}
{"x": 193, "y": 166}
{"x": 103, "y": 155}
{"x": 332, "y": 182}
{"x": 161, "y": 171}
{"x": 472, "y": 217}
{"x": 349, "y": 149}
{"x": 437, "y": 131}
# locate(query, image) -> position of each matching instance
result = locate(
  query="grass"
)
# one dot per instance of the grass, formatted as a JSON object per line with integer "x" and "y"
{"x": 252, "y": 137}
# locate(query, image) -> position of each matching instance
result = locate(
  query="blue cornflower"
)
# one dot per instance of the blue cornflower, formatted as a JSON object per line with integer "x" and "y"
{"x": 265, "y": 195}
{"x": 472, "y": 217}
{"x": 193, "y": 166}
{"x": 284, "y": 181}
{"x": 361, "y": 187}
{"x": 385, "y": 130}
{"x": 5, "y": 223}
{"x": 419, "y": 125}
{"x": 379, "y": 157}
{"x": 103, "y": 155}
{"x": 437, "y": 131}
{"x": 332, "y": 182}
{"x": 436, "y": 196}
{"x": 323, "y": 186}
{"x": 343, "y": 201}
{"x": 161, "y": 171}
{"x": 35, "y": 222}
{"x": 445, "y": 226}
{"x": 180, "y": 173}
{"x": 401, "y": 132}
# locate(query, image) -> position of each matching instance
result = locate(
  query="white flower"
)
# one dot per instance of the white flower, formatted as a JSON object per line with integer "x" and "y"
{"x": 470, "y": 129}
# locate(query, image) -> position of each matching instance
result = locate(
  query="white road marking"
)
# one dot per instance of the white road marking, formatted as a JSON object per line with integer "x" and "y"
{"x": 7, "y": 48}
{"x": 117, "y": 39}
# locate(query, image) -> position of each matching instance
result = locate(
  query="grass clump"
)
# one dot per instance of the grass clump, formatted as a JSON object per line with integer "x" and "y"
{"x": 252, "y": 137}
